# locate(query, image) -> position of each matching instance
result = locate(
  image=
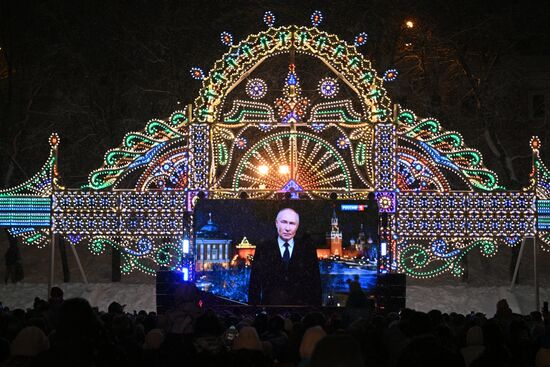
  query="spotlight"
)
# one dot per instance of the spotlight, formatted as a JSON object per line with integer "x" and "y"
{"x": 243, "y": 195}
{"x": 333, "y": 196}
{"x": 201, "y": 195}
{"x": 263, "y": 169}
{"x": 284, "y": 169}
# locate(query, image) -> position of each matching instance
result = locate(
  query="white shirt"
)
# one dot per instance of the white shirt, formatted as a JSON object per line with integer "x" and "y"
{"x": 282, "y": 245}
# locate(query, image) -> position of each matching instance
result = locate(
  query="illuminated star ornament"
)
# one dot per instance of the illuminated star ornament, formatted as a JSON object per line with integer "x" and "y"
{"x": 256, "y": 88}
{"x": 241, "y": 143}
{"x": 360, "y": 39}
{"x": 54, "y": 140}
{"x": 226, "y": 38}
{"x": 316, "y": 18}
{"x": 197, "y": 73}
{"x": 342, "y": 142}
{"x": 269, "y": 19}
{"x": 292, "y": 108}
{"x": 390, "y": 75}
{"x": 328, "y": 87}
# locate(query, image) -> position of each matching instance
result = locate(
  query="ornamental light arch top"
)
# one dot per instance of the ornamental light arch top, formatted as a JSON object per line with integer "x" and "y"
{"x": 291, "y": 109}
{"x": 342, "y": 58}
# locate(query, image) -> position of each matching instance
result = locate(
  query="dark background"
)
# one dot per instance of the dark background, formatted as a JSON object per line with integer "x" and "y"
{"x": 95, "y": 70}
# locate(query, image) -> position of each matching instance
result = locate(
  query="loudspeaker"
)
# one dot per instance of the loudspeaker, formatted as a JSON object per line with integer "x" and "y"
{"x": 391, "y": 292}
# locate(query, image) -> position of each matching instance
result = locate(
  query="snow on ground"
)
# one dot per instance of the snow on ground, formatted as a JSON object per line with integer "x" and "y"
{"x": 134, "y": 296}
{"x": 447, "y": 298}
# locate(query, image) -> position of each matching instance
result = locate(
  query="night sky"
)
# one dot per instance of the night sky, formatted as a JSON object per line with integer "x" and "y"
{"x": 94, "y": 70}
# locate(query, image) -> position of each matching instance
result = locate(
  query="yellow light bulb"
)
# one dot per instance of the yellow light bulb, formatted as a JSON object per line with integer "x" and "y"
{"x": 284, "y": 169}
{"x": 263, "y": 169}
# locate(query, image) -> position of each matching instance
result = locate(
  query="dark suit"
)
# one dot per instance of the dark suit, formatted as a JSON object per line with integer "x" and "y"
{"x": 272, "y": 284}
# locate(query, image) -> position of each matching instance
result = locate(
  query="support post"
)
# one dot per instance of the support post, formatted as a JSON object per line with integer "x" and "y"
{"x": 115, "y": 265}
{"x": 52, "y": 263}
{"x": 516, "y": 270}
{"x": 61, "y": 243}
{"x": 535, "y": 275}
{"x": 73, "y": 248}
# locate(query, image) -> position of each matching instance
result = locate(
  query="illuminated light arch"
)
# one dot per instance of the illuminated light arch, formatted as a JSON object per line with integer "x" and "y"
{"x": 190, "y": 147}
{"x": 338, "y": 55}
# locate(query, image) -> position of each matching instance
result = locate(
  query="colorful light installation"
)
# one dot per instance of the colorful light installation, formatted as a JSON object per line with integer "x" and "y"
{"x": 335, "y": 111}
{"x": 256, "y": 88}
{"x": 196, "y": 73}
{"x": 360, "y": 39}
{"x": 25, "y": 211}
{"x": 318, "y": 165}
{"x": 343, "y": 57}
{"x": 447, "y": 149}
{"x": 138, "y": 150}
{"x": 119, "y": 213}
{"x": 385, "y": 159}
{"x": 430, "y": 227}
{"x": 342, "y": 142}
{"x": 543, "y": 215}
{"x": 226, "y": 39}
{"x": 390, "y": 75}
{"x": 241, "y": 143}
{"x": 471, "y": 214}
{"x": 292, "y": 108}
{"x": 316, "y": 18}
{"x": 198, "y": 147}
{"x": 328, "y": 87}
{"x": 269, "y": 19}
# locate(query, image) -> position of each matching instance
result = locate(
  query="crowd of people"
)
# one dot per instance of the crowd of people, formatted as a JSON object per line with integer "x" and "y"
{"x": 72, "y": 333}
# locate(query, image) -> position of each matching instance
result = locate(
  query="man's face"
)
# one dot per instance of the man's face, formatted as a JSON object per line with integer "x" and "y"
{"x": 287, "y": 224}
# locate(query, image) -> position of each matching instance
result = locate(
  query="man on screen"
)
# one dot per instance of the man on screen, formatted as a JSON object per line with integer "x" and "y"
{"x": 285, "y": 271}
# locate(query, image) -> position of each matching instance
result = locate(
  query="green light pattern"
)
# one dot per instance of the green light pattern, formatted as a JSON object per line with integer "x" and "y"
{"x": 223, "y": 155}
{"x": 239, "y": 118}
{"x": 361, "y": 154}
{"x": 340, "y": 112}
{"x": 419, "y": 262}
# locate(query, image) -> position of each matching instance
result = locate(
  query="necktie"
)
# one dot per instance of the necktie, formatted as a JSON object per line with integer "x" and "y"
{"x": 286, "y": 255}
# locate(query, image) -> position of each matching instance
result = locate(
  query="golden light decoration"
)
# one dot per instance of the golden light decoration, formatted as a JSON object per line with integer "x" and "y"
{"x": 535, "y": 143}
{"x": 409, "y": 24}
{"x": 284, "y": 169}
{"x": 263, "y": 169}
